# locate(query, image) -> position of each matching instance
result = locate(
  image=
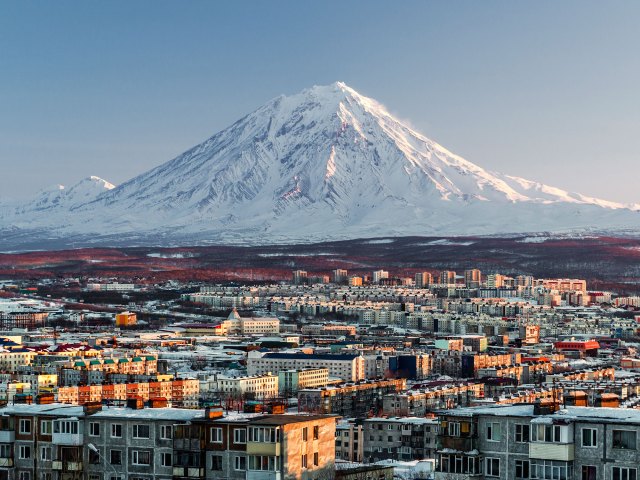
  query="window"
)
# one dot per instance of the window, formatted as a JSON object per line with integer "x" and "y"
{"x": 115, "y": 457}
{"x": 304, "y": 461}
{"x": 24, "y": 452}
{"x": 94, "y": 477}
{"x": 65, "y": 426}
{"x": 493, "y": 432}
{"x": 623, "y": 473}
{"x": 453, "y": 429}
{"x": 166, "y": 432}
{"x": 216, "y": 435}
{"x": 45, "y": 427}
{"x": 140, "y": 457}
{"x": 316, "y": 432}
{"x": 24, "y": 476}
{"x": 240, "y": 436}
{"x": 492, "y": 467}
{"x": 625, "y": 439}
{"x": 5, "y": 450}
{"x": 589, "y": 437}
{"x": 24, "y": 426}
{"x": 589, "y": 472}
{"x": 94, "y": 457}
{"x": 116, "y": 430}
{"x": 316, "y": 460}
{"x": 141, "y": 431}
{"x": 522, "y": 433}
{"x": 239, "y": 463}
{"x": 546, "y": 433}
{"x": 551, "y": 470}
{"x": 264, "y": 434}
{"x": 94, "y": 429}
{"x": 304, "y": 434}
{"x": 216, "y": 462}
{"x": 459, "y": 464}
{"x": 522, "y": 468}
{"x": 262, "y": 462}
{"x": 46, "y": 476}
{"x": 45, "y": 453}
{"x": 166, "y": 459}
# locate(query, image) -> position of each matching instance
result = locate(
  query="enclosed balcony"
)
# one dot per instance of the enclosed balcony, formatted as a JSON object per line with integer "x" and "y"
{"x": 66, "y": 466}
{"x": 67, "y": 432}
{"x": 7, "y": 430}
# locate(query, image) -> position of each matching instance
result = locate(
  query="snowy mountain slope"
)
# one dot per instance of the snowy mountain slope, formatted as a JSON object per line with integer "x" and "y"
{"x": 326, "y": 163}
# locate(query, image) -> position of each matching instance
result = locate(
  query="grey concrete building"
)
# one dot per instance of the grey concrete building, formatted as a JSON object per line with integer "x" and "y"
{"x": 540, "y": 442}
{"x": 399, "y": 438}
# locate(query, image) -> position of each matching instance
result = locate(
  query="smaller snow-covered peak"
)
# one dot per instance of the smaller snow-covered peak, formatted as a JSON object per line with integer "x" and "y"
{"x": 96, "y": 182}
{"x": 58, "y": 196}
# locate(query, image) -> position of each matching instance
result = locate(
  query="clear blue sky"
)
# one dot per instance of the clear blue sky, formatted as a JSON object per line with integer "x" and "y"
{"x": 545, "y": 90}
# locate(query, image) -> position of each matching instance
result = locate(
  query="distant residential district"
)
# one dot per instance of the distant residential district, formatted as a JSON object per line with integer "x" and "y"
{"x": 439, "y": 375}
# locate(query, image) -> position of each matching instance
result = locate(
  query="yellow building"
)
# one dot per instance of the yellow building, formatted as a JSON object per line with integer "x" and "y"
{"x": 125, "y": 319}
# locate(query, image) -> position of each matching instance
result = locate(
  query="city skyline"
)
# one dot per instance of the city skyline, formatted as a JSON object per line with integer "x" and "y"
{"x": 542, "y": 92}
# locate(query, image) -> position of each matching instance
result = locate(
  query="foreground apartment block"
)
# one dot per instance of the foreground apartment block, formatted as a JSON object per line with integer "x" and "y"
{"x": 64, "y": 442}
{"x": 399, "y": 438}
{"x": 273, "y": 447}
{"x": 540, "y": 441}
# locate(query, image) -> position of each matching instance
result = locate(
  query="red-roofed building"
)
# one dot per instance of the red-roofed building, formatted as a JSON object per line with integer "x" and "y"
{"x": 586, "y": 348}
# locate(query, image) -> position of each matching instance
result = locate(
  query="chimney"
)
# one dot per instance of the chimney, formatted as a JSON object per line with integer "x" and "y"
{"x": 213, "y": 412}
{"x": 90, "y": 408}
{"x": 135, "y": 403}
{"x": 158, "y": 402}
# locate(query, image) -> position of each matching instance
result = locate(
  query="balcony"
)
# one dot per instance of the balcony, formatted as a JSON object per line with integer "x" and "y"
{"x": 191, "y": 444}
{"x": 552, "y": 451}
{"x": 260, "y": 475}
{"x": 255, "y": 448}
{"x": 7, "y": 436}
{"x": 455, "y": 476}
{"x": 66, "y": 466}
{"x": 74, "y": 439}
{"x": 6, "y": 462}
{"x": 188, "y": 472}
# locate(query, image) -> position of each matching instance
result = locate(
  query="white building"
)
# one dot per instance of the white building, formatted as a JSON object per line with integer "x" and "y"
{"x": 349, "y": 368}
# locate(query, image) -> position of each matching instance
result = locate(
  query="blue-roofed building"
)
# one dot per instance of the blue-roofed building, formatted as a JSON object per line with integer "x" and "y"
{"x": 349, "y": 368}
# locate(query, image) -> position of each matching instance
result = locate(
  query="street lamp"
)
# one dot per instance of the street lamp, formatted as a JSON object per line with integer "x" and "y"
{"x": 95, "y": 449}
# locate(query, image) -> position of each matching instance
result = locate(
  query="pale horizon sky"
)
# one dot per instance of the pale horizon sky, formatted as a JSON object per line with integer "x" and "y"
{"x": 543, "y": 90}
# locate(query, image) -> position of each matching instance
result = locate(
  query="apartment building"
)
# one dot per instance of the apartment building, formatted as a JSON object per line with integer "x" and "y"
{"x": 180, "y": 392}
{"x": 347, "y": 330}
{"x": 339, "y": 275}
{"x": 349, "y": 400}
{"x": 278, "y": 447}
{"x": 256, "y": 387}
{"x": 346, "y": 367}
{"x": 473, "y": 278}
{"x": 349, "y": 441}
{"x": 399, "y": 438}
{"x": 447, "y": 277}
{"x": 420, "y": 402}
{"x": 423, "y": 279}
{"x": 62, "y": 442}
{"x": 379, "y": 275}
{"x": 540, "y": 441}
{"x": 290, "y": 381}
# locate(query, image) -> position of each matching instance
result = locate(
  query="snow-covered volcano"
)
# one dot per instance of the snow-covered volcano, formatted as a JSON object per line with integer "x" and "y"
{"x": 324, "y": 164}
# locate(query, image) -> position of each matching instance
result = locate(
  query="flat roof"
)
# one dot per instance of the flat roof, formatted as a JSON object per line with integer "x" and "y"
{"x": 596, "y": 414}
